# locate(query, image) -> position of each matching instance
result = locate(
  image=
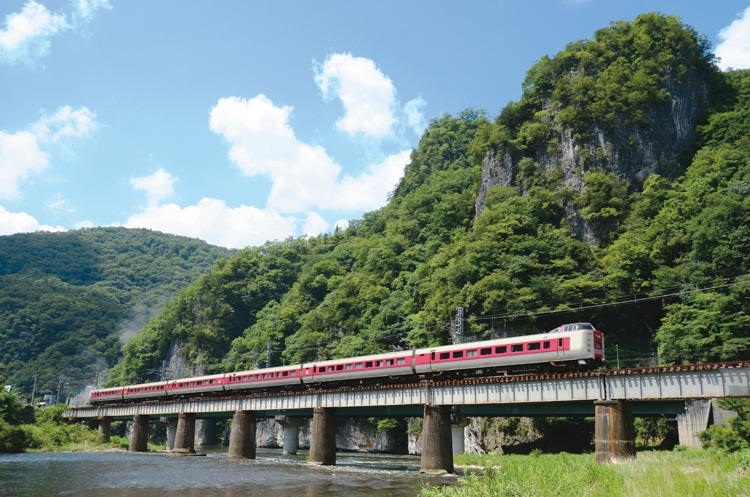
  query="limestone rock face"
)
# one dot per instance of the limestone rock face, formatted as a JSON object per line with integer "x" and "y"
{"x": 631, "y": 152}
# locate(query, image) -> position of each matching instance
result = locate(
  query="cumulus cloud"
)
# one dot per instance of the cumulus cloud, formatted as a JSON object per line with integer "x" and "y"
{"x": 20, "y": 222}
{"x": 734, "y": 49}
{"x": 26, "y": 34}
{"x": 215, "y": 222}
{"x": 304, "y": 176}
{"x": 368, "y": 96}
{"x": 314, "y": 224}
{"x": 19, "y": 155}
{"x": 66, "y": 123}
{"x": 158, "y": 186}
{"x": 21, "y": 152}
{"x": 414, "y": 117}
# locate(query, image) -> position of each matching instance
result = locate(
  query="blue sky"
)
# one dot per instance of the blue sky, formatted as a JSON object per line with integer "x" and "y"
{"x": 243, "y": 121}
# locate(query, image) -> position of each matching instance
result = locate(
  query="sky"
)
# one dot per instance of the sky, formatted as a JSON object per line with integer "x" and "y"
{"x": 239, "y": 122}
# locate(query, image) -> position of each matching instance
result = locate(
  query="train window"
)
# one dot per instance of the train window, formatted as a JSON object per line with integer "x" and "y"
{"x": 349, "y": 366}
{"x": 471, "y": 353}
{"x": 445, "y": 355}
{"x": 339, "y": 367}
{"x": 378, "y": 364}
{"x": 559, "y": 343}
{"x": 433, "y": 355}
{"x": 263, "y": 375}
{"x": 458, "y": 354}
{"x": 516, "y": 348}
{"x": 533, "y": 346}
{"x": 487, "y": 351}
{"x": 401, "y": 360}
{"x": 389, "y": 362}
{"x": 285, "y": 373}
{"x": 501, "y": 350}
{"x": 358, "y": 365}
{"x": 277, "y": 374}
{"x": 293, "y": 373}
{"x": 546, "y": 345}
{"x": 322, "y": 369}
{"x": 330, "y": 368}
{"x": 368, "y": 364}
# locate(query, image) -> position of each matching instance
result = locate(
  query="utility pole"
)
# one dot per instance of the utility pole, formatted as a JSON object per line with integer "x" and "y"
{"x": 33, "y": 390}
{"x": 59, "y": 386}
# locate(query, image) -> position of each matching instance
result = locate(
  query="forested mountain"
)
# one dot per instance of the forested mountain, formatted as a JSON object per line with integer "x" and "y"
{"x": 67, "y": 300}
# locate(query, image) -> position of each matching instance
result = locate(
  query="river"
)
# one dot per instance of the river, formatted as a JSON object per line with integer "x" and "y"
{"x": 124, "y": 474}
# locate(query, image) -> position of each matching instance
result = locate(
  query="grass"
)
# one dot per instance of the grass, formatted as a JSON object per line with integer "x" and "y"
{"x": 682, "y": 473}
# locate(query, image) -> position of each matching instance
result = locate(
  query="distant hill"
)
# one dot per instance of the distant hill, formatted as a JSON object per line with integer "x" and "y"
{"x": 69, "y": 300}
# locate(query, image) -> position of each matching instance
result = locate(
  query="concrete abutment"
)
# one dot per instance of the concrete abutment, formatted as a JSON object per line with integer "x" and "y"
{"x": 614, "y": 437}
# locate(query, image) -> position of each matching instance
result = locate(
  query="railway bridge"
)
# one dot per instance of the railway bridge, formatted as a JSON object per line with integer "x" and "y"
{"x": 612, "y": 397}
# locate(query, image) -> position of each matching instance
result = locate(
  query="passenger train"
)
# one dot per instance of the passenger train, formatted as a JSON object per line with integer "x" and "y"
{"x": 577, "y": 346}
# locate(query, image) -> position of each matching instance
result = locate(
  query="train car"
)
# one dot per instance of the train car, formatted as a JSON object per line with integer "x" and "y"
{"x": 578, "y": 346}
{"x": 359, "y": 368}
{"x": 198, "y": 384}
{"x": 145, "y": 390}
{"x": 262, "y": 378}
{"x": 575, "y": 346}
{"x": 101, "y": 395}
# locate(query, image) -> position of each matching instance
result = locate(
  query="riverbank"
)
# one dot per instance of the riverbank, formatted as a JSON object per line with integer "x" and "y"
{"x": 680, "y": 473}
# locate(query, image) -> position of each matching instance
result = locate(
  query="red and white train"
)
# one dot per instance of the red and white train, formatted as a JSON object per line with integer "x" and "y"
{"x": 577, "y": 346}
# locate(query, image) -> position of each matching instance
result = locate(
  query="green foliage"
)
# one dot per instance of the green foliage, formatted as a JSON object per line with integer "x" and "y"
{"x": 732, "y": 437}
{"x": 66, "y": 298}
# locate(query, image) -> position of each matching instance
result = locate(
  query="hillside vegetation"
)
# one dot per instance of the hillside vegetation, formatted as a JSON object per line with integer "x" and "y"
{"x": 602, "y": 209}
{"x": 68, "y": 299}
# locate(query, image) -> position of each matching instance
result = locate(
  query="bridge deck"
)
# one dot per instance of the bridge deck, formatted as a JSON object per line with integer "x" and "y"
{"x": 571, "y": 394}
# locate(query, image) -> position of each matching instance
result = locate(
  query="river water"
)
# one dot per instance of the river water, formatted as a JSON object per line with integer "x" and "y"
{"x": 124, "y": 474}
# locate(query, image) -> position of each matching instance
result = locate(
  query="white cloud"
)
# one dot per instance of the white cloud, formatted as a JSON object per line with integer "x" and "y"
{"x": 314, "y": 224}
{"x": 20, "y": 222}
{"x": 66, "y": 123}
{"x": 21, "y": 152}
{"x": 26, "y": 34}
{"x": 158, "y": 186}
{"x": 19, "y": 155}
{"x": 304, "y": 177}
{"x": 84, "y": 224}
{"x": 215, "y": 222}
{"x": 734, "y": 49}
{"x": 342, "y": 224}
{"x": 367, "y": 94}
{"x": 85, "y": 10}
{"x": 414, "y": 117}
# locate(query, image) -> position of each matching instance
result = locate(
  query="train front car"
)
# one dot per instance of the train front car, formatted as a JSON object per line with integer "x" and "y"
{"x": 584, "y": 345}
{"x": 577, "y": 346}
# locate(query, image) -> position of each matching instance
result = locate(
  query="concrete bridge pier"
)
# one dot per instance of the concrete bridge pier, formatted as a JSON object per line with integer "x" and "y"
{"x": 242, "y": 437}
{"x": 697, "y": 418}
{"x": 437, "y": 440}
{"x": 184, "y": 439}
{"x": 458, "y": 436}
{"x": 139, "y": 435}
{"x": 105, "y": 423}
{"x": 614, "y": 431}
{"x": 323, "y": 437}
{"x": 291, "y": 432}
{"x": 171, "y": 432}
{"x": 205, "y": 432}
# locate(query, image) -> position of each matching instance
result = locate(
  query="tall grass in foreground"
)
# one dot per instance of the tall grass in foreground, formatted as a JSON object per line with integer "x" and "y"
{"x": 653, "y": 474}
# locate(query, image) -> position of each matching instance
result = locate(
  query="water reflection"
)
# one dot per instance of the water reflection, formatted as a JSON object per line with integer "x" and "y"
{"x": 122, "y": 474}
